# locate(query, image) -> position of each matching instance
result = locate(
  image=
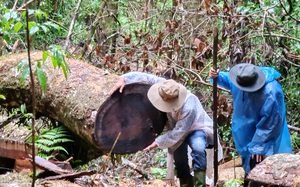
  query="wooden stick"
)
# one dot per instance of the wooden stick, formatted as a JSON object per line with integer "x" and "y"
{"x": 170, "y": 167}
{"x": 215, "y": 104}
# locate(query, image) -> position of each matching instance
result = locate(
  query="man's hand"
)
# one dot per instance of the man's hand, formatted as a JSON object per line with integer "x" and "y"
{"x": 213, "y": 73}
{"x": 119, "y": 85}
{"x": 152, "y": 146}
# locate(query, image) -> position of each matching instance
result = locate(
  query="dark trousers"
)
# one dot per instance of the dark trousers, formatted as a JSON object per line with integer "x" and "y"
{"x": 197, "y": 142}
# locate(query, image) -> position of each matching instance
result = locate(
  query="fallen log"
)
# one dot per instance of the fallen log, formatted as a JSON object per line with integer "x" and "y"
{"x": 14, "y": 149}
{"x": 83, "y": 104}
{"x": 278, "y": 169}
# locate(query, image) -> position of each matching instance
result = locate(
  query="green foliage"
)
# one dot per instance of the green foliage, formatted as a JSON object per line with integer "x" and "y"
{"x": 160, "y": 158}
{"x": 295, "y": 137}
{"x": 159, "y": 173}
{"x": 57, "y": 59}
{"x": 13, "y": 26}
{"x": 292, "y": 94}
{"x": 51, "y": 142}
{"x": 24, "y": 117}
{"x": 233, "y": 183}
{"x": 2, "y": 97}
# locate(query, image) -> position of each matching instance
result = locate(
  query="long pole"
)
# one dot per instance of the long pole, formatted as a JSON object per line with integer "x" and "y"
{"x": 215, "y": 105}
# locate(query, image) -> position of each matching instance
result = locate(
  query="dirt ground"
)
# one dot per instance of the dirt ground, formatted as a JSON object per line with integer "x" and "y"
{"x": 121, "y": 176}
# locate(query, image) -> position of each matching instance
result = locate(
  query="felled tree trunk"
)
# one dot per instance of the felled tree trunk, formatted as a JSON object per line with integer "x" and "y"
{"x": 279, "y": 169}
{"x": 123, "y": 123}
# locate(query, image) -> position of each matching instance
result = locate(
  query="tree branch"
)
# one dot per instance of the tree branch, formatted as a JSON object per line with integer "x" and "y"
{"x": 72, "y": 23}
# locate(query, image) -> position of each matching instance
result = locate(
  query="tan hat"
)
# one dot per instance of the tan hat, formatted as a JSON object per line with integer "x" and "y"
{"x": 167, "y": 96}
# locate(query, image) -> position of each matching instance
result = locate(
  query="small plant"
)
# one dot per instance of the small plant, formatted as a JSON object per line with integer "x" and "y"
{"x": 159, "y": 173}
{"x": 233, "y": 183}
{"x": 160, "y": 158}
{"x": 50, "y": 142}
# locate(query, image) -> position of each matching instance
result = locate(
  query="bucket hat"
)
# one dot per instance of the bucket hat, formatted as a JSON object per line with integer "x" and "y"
{"x": 247, "y": 77}
{"x": 167, "y": 96}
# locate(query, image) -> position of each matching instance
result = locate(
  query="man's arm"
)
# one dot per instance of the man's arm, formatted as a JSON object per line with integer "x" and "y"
{"x": 222, "y": 78}
{"x": 271, "y": 124}
{"x": 181, "y": 128}
{"x": 133, "y": 77}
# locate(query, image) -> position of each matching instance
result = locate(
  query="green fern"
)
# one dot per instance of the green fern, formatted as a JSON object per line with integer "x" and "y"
{"x": 51, "y": 140}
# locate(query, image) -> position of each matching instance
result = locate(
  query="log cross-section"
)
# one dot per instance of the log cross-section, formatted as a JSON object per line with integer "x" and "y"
{"x": 131, "y": 115}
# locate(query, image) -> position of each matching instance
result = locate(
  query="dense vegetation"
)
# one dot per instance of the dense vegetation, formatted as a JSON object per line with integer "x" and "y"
{"x": 169, "y": 38}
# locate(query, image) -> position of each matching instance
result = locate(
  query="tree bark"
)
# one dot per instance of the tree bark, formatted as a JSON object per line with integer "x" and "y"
{"x": 83, "y": 104}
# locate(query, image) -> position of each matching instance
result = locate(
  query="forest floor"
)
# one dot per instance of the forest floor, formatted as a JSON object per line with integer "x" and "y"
{"x": 141, "y": 169}
{"x": 140, "y": 173}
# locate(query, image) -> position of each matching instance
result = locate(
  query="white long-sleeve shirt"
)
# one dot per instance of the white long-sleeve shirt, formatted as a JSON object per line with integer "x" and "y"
{"x": 190, "y": 117}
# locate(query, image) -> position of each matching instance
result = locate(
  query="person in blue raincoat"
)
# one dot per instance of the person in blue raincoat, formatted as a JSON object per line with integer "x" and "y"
{"x": 259, "y": 126}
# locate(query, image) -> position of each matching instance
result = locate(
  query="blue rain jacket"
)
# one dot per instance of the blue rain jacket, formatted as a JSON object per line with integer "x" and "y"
{"x": 259, "y": 124}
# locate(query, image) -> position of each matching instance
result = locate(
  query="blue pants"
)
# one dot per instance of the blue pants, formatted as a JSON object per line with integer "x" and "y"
{"x": 197, "y": 142}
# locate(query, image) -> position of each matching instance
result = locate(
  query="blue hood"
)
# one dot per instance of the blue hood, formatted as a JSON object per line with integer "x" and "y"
{"x": 271, "y": 74}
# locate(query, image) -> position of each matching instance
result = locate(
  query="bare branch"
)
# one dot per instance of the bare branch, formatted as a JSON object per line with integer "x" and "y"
{"x": 72, "y": 23}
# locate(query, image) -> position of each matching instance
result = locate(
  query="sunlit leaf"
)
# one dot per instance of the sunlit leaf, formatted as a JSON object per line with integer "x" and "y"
{"x": 34, "y": 30}
{"x": 31, "y": 24}
{"x": 23, "y": 108}
{"x": 6, "y": 26}
{"x": 25, "y": 74}
{"x": 18, "y": 26}
{"x": 42, "y": 78}
{"x": 2, "y": 97}
{"x": 22, "y": 63}
{"x": 54, "y": 61}
{"x": 44, "y": 28}
{"x": 31, "y": 12}
{"x": 45, "y": 55}
{"x": 64, "y": 71}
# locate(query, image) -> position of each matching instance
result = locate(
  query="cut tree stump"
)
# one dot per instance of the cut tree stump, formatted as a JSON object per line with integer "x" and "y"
{"x": 278, "y": 169}
{"x": 83, "y": 104}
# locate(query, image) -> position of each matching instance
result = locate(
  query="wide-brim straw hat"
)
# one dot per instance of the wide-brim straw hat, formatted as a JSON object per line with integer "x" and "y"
{"x": 167, "y": 96}
{"x": 247, "y": 77}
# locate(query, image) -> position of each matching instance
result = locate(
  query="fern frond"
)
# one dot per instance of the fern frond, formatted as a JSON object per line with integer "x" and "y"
{"x": 62, "y": 140}
{"x": 44, "y": 148}
{"x": 51, "y": 136}
{"x": 59, "y": 148}
{"x": 50, "y": 141}
{"x": 45, "y": 142}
